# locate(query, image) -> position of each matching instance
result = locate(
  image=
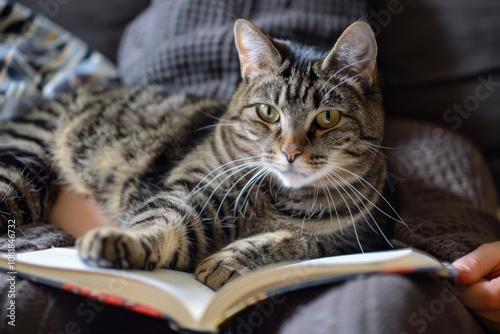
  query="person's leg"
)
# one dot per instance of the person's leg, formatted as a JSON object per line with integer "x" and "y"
{"x": 372, "y": 304}
{"x": 383, "y": 304}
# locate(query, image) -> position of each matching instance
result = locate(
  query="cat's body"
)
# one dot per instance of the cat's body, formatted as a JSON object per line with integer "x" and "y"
{"x": 285, "y": 171}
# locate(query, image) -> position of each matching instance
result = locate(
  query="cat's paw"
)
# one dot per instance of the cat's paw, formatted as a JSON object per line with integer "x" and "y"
{"x": 219, "y": 268}
{"x": 112, "y": 247}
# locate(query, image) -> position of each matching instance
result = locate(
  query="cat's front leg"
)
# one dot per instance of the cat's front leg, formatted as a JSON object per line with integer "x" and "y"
{"x": 251, "y": 253}
{"x": 113, "y": 247}
{"x": 163, "y": 232}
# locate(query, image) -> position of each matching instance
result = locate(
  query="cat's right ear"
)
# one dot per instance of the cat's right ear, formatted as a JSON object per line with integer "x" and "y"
{"x": 355, "y": 54}
{"x": 257, "y": 53}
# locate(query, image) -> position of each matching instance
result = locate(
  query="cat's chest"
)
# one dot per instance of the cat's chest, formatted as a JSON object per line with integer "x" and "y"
{"x": 269, "y": 210}
{"x": 235, "y": 190}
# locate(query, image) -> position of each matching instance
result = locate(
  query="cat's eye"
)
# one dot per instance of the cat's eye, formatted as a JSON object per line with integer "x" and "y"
{"x": 268, "y": 113}
{"x": 328, "y": 119}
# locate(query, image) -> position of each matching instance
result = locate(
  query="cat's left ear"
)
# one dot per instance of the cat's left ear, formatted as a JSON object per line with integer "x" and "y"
{"x": 354, "y": 54}
{"x": 257, "y": 53}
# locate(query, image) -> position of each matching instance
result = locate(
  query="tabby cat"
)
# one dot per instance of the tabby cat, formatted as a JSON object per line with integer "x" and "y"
{"x": 289, "y": 169}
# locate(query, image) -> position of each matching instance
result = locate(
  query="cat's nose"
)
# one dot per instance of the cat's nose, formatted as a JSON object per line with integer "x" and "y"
{"x": 290, "y": 153}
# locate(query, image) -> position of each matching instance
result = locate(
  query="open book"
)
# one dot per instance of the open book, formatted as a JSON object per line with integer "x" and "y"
{"x": 188, "y": 304}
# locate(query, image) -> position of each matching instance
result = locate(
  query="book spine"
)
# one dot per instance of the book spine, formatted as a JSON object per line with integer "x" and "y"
{"x": 114, "y": 300}
{"x": 104, "y": 298}
{"x": 107, "y": 299}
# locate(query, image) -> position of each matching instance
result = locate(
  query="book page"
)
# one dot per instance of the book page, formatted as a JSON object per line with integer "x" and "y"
{"x": 256, "y": 285}
{"x": 184, "y": 286}
{"x": 193, "y": 305}
{"x": 360, "y": 258}
{"x": 194, "y": 295}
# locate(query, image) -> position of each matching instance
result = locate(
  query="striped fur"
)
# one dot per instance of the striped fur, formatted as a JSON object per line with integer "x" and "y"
{"x": 209, "y": 185}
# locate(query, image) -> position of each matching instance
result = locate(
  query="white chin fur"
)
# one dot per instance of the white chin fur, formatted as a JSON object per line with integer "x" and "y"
{"x": 295, "y": 180}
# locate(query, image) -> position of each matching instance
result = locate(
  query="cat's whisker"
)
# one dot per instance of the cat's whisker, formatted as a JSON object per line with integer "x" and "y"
{"x": 213, "y": 126}
{"x": 339, "y": 178}
{"x": 277, "y": 188}
{"x": 196, "y": 189}
{"x": 253, "y": 179}
{"x": 343, "y": 69}
{"x": 356, "y": 192}
{"x": 269, "y": 171}
{"x": 376, "y": 152}
{"x": 262, "y": 178}
{"x": 314, "y": 201}
{"x": 350, "y": 214}
{"x": 330, "y": 199}
{"x": 301, "y": 232}
{"x": 257, "y": 166}
{"x": 238, "y": 170}
{"x": 398, "y": 219}
{"x": 211, "y": 116}
{"x": 261, "y": 181}
{"x": 205, "y": 186}
{"x": 387, "y": 147}
{"x": 247, "y": 198}
{"x": 340, "y": 83}
{"x": 380, "y": 149}
{"x": 260, "y": 175}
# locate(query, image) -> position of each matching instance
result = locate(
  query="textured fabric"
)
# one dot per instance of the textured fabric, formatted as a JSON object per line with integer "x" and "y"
{"x": 189, "y": 44}
{"x": 39, "y": 60}
{"x": 98, "y": 23}
{"x": 382, "y": 304}
{"x": 37, "y": 236}
{"x": 446, "y": 193}
{"x": 32, "y": 306}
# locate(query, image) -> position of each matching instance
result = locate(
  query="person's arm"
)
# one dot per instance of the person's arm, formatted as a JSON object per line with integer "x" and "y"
{"x": 76, "y": 214}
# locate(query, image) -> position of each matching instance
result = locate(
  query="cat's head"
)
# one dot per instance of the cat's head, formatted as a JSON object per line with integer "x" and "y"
{"x": 308, "y": 114}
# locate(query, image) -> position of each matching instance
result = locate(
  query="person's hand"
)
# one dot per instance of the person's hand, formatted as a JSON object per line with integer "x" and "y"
{"x": 480, "y": 271}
